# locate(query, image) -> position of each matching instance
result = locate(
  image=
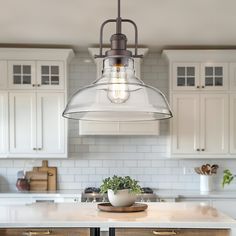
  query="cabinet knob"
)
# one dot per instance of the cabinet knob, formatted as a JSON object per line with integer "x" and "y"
{"x": 203, "y": 86}
{"x": 203, "y": 149}
{"x": 198, "y": 86}
{"x": 33, "y": 85}
{"x": 34, "y": 149}
{"x": 38, "y": 85}
{"x": 39, "y": 149}
{"x": 198, "y": 149}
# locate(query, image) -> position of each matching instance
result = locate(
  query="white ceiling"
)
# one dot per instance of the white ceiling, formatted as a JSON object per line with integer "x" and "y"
{"x": 161, "y": 23}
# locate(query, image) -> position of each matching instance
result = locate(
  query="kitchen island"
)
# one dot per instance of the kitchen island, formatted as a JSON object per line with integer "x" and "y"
{"x": 170, "y": 217}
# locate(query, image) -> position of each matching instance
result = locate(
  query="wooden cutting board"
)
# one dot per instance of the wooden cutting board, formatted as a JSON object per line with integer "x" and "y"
{"x": 52, "y": 175}
{"x": 38, "y": 180}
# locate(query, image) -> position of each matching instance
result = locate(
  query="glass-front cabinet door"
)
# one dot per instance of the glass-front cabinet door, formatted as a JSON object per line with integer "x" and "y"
{"x": 185, "y": 76}
{"x": 50, "y": 75}
{"x": 21, "y": 74}
{"x": 214, "y": 76}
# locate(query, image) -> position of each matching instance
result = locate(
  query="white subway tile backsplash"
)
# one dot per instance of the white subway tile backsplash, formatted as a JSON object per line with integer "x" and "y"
{"x": 92, "y": 159}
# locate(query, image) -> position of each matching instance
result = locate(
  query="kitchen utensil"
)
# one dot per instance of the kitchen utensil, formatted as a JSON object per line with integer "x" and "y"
{"x": 38, "y": 180}
{"x": 134, "y": 208}
{"x": 204, "y": 169}
{"x": 197, "y": 170}
{"x": 52, "y": 175}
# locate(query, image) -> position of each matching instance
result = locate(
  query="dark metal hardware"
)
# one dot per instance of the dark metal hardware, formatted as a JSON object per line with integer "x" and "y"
{"x": 198, "y": 86}
{"x": 33, "y": 85}
{"x": 203, "y": 86}
{"x": 198, "y": 149}
{"x": 203, "y": 150}
{"x": 118, "y": 40}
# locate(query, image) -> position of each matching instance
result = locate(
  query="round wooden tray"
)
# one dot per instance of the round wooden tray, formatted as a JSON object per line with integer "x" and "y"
{"x": 134, "y": 208}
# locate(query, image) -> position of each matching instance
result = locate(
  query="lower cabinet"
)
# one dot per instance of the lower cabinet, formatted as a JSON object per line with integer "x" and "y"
{"x": 168, "y": 232}
{"x": 46, "y": 231}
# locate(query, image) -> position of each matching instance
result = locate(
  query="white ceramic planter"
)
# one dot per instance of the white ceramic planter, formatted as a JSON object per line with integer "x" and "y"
{"x": 206, "y": 183}
{"x": 121, "y": 198}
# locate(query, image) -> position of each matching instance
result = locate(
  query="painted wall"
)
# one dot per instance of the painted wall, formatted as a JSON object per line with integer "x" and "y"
{"x": 94, "y": 158}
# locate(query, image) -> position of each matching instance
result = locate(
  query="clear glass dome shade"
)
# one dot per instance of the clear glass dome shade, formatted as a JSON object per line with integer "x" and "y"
{"x": 118, "y": 96}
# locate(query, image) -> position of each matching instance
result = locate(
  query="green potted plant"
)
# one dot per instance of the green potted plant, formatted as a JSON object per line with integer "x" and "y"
{"x": 121, "y": 191}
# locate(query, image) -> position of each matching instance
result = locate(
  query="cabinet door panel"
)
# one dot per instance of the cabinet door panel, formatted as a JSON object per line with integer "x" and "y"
{"x": 233, "y": 123}
{"x": 185, "y": 123}
{"x": 214, "y": 123}
{"x": 3, "y": 123}
{"x": 3, "y": 74}
{"x": 21, "y": 74}
{"x": 232, "y": 76}
{"x": 214, "y": 76}
{"x": 180, "y": 232}
{"x": 185, "y": 76}
{"x": 50, "y": 75}
{"x": 22, "y": 122}
{"x": 51, "y": 124}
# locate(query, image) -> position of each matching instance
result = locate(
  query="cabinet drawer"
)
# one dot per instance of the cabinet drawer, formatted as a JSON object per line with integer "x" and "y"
{"x": 168, "y": 232}
{"x": 46, "y": 231}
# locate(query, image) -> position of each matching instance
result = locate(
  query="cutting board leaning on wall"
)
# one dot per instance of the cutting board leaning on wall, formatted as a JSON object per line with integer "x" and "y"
{"x": 52, "y": 175}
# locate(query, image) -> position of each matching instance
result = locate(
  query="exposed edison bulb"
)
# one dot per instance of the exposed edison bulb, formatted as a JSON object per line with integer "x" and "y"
{"x": 118, "y": 90}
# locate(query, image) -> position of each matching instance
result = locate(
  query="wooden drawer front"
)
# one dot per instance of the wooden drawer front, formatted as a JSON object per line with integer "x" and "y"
{"x": 172, "y": 232}
{"x": 46, "y": 231}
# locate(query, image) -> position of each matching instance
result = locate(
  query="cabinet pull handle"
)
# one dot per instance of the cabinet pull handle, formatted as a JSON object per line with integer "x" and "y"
{"x": 38, "y": 85}
{"x": 30, "y": 233}
{"x": 39, "y": 149}
{"x": 198, "y": 149}
{"x": 164, "y": 232}
{"x": 203, "y": 86}
{"x": 33, "y": 85}
{"x": 34, "y": 149}
{"x": 198, "y": 86}
{"x": 203, "y": 149}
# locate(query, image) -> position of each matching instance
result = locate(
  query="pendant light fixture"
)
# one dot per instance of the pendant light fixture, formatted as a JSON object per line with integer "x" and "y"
{"x": 118, "y": 95}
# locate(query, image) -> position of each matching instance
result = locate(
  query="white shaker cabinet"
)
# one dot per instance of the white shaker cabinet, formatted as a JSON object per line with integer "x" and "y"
{"x": 21, "y": 74}
{"x": 185, "y": 123}
{"x": 200, "y": 124}
{"x": 3, "y": 123}
{"x": 233, "y": 123}
{"x": 50, "y": 123}
{"x": 3, "y": 74}
{"x": 50, "y": 75}
{"x": 22, "y": 122}
{"x": 36, "y": 124}
{"x": 214, "y": 122}
{"x": 199, "y": 76}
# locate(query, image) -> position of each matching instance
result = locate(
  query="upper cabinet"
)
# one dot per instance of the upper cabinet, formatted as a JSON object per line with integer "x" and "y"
{"x": 34, "y": 82}
{"x": 3, "y": 123}
{"x": 199, "y": 76}
{"x": 36, "y": 74}
{"x": 3, "y": 74}
{"x": 202, "y": 97}
{"x": 50, "y": 75}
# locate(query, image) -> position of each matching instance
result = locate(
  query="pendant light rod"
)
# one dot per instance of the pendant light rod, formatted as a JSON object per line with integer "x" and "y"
{"x": 118, "y": 22}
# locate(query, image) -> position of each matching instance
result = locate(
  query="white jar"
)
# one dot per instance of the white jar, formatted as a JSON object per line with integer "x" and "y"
{"x": 206, "y": 183}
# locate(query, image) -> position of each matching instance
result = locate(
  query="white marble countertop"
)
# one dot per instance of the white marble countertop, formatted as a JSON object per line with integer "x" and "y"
{"x": 158, "y": 215}
{"x": 160, "y": 193}
{"x": 194, "y": 194}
